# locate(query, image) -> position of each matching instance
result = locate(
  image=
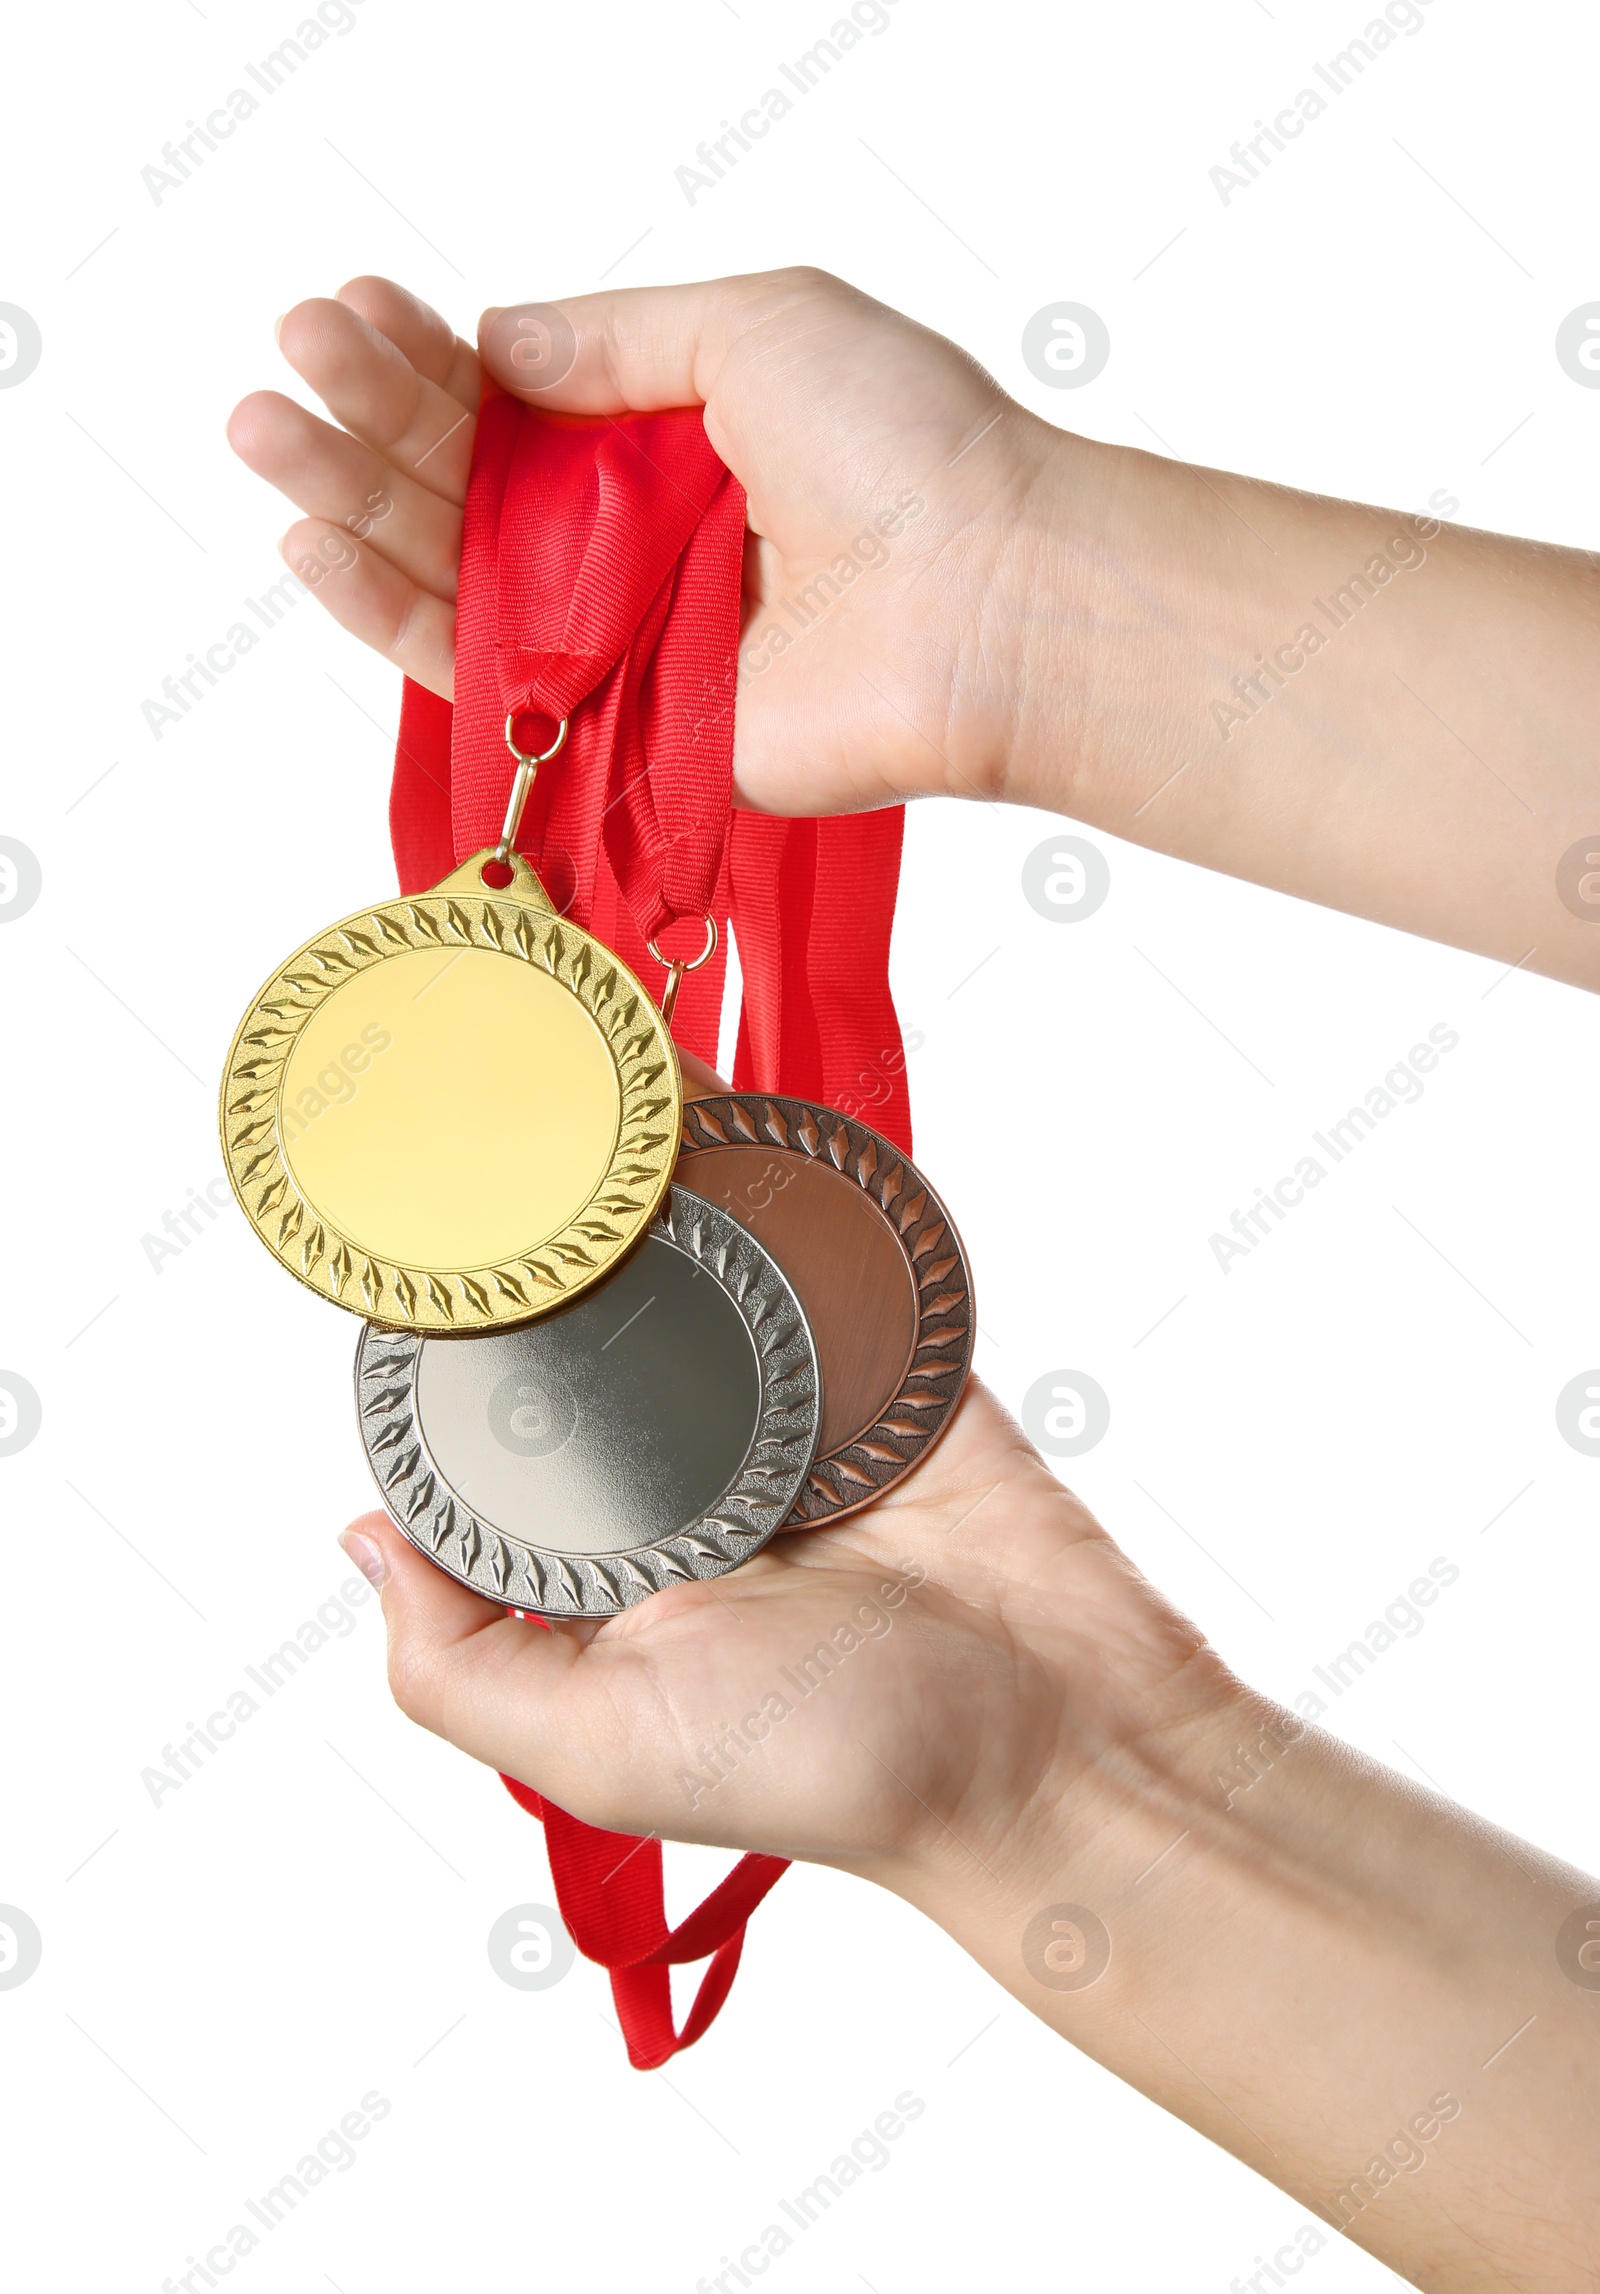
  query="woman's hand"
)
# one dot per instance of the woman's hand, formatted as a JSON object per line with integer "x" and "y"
{"x": 888, "y": 479}
{"x": 967, "y": 1694}
{"x": 898, "y": 1690}
{"x": 946, "y": 595}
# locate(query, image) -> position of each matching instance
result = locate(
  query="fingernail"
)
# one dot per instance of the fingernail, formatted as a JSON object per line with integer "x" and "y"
{"x": 277, "y": 326}
{"x": 367, "y": 1556}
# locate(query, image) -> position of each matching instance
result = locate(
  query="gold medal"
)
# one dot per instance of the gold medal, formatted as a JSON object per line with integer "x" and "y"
{"x": 456, "y": 1111}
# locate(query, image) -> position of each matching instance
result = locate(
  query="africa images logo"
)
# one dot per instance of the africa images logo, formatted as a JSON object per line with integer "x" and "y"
{"x": 1402, "y": 1086}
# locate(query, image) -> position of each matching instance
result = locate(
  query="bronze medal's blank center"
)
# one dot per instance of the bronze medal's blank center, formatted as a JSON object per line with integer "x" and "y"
{"x": 845, "y": 1262}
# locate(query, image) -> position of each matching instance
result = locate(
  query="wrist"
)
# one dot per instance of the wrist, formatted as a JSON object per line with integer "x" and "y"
{"x": 1011, "y": 668}
{"x": 1122, "y": 580}
{"x": 1025, "y": 722}
{"x": 1083, "y": 1821}
{"x": 1309, "y": 1960}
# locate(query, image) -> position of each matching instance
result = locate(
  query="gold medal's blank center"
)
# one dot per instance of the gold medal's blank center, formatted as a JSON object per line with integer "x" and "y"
{"x": 449, "y": 1108}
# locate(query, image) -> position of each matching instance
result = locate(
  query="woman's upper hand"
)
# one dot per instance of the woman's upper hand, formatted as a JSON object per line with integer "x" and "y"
{"x": 888, "y": 480}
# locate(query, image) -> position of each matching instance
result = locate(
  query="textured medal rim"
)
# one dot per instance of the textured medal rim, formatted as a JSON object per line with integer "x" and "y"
{"x": 500, "y": 1292}
{"x": 906, "y": 1429}
{"x": 553, "y": 1583}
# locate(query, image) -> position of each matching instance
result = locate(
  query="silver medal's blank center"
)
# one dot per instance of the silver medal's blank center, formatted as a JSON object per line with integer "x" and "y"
{"x": 614, "y": 1422}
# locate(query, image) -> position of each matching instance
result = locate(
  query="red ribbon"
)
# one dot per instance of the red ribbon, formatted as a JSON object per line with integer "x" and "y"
{"x": 600, "y": 582}
{"x": 600, "y": 568}
{"x": 609, "y": 1888}
{"x": 813, "y": 907}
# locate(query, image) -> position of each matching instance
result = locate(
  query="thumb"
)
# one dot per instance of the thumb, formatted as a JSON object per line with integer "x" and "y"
{"x": 623, "y": 349}
{"x": 462, "y": 1666}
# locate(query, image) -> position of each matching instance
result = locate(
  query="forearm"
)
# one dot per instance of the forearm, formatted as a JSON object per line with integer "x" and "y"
{"x": 1355, "y": 705}
{"x": 1348, "y": 1982}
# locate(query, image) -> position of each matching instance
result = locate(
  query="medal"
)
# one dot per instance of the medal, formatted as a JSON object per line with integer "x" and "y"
{"x": 876, "y": 1264}
{"x": 654, "y": 1431}
{"x": 454, "y": 1111}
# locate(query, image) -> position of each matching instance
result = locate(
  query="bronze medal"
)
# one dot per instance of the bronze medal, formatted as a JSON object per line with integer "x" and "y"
{"x": 876, "y": 1264}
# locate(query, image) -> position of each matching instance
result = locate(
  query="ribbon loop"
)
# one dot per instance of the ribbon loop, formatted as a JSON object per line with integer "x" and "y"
{"x": 609, "y": 1889}
{"x": 599, "y": 583}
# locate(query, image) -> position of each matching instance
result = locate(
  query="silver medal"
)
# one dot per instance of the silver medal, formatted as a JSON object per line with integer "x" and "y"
{"x": 658, "y": 1429}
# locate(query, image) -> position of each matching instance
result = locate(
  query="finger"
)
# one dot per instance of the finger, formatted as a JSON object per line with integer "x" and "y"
{"x": 641, "y": 347}
{"x": 503, "y": 1688}
{"x": 699, "y": 1081}
{"x": 376, "y": 602}
{"x": 416, "y": 329}
{"x": 330, "y": 475}
{"x": 444, "y": 1638}
{"x": 372, "y": 388}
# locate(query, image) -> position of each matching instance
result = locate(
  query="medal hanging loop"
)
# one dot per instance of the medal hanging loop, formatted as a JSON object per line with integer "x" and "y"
{"x": 600, "y": 584}
{"x": 679, "y": 967}
{"x": 522, "y": 784}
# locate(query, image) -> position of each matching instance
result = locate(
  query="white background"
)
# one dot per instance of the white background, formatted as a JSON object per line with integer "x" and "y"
{"x": 304, "y": 1921}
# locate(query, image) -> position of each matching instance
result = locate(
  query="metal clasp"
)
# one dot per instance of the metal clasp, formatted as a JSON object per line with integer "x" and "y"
{"x": 522, "y": 786}
{"x": 678, "y": 967}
